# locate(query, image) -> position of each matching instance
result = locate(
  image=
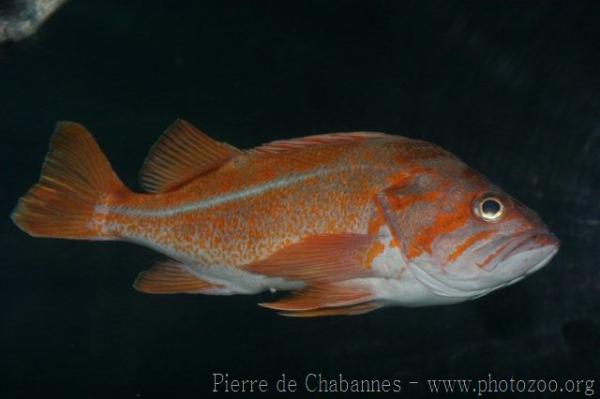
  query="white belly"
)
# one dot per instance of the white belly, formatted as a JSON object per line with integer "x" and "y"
{"x": 395, "y": 283}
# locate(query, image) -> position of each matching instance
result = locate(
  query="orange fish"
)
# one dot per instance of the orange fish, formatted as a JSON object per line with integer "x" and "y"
{"x": 349, "y": 222}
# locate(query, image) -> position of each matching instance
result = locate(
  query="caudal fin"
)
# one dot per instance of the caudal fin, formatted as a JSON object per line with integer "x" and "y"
{"x": 76, "y": 177}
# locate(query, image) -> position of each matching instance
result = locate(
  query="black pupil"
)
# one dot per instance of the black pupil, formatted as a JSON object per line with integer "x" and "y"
{"x": 490, "y": 207}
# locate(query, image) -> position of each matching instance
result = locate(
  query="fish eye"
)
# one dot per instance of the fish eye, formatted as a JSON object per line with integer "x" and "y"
{"x": 490, "y": 209}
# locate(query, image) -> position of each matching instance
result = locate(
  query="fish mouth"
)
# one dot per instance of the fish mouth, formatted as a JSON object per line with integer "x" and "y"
{"x": 531, "y": 250}
{"x": 503, "y": 262}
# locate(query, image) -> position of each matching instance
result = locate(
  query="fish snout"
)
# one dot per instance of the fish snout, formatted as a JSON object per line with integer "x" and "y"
{"x": 547, "y": 239}
{"x": 530, "y": 253}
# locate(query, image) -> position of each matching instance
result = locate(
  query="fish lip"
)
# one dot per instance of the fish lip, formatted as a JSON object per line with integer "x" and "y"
{"x": 535, "y": 240}
{"x": 529, "y": 240}
{"x": 506, "y": 247}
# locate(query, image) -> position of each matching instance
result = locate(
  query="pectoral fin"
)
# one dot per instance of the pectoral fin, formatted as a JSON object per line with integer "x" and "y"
{"x": 320, "y": 258}
{"x": 327, "y": 264}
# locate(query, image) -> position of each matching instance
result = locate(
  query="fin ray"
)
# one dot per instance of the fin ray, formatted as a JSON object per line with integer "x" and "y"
{"x": 75, "y": 177}
{"x": 318, "y": 296}
{"x": 181, "y": 154}
{"x": 317, "y": 139}
{"x": 170, "y": 277}
{"x": 352, "y": 310}
{"x": 322, "y": 258}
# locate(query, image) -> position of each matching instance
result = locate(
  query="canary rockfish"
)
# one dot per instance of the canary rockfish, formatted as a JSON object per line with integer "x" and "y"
{"x": 349, "y": 222}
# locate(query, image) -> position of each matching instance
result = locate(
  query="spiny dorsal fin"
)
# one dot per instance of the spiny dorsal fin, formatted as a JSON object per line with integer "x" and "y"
{"x": 181, "y": 154}
{"x": 318, "y": 139}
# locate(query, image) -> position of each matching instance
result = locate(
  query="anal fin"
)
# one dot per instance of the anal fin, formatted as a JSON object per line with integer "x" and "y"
{"x": 170, "y": 277}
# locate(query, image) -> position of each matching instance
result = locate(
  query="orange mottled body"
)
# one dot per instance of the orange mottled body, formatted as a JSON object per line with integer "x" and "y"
{"x": 322, "y": 190}
{"x": 349, "y": 222}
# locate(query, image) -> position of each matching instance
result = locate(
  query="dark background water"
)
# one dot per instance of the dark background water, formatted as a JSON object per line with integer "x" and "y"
{"x": 512, "y": 88}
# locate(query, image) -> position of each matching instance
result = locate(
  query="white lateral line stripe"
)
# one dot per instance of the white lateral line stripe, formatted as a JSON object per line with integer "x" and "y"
{"x": 218, "y": 200}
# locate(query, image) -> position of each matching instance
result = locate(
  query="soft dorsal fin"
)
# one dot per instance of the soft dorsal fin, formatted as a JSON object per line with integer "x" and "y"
{"x": 181, "y": 154}
{"x": 318, "y": 139}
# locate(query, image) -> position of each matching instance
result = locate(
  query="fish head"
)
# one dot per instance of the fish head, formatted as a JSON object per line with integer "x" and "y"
{"x": 462, "y": 236}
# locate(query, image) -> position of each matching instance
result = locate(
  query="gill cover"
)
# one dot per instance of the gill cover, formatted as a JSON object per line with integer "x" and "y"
{"x": 418, "y": 209}
{"x": 410, "y": 208}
